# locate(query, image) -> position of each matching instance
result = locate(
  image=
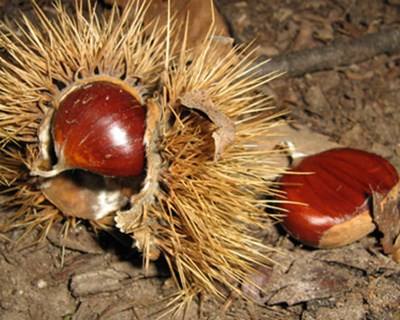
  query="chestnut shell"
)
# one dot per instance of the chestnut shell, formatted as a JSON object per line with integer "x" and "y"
{"x": 334, "y": 187}
{"x": 100, "y": 127}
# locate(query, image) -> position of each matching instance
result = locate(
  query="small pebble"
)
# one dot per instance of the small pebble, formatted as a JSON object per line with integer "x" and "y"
{"x": 41, "y": 284}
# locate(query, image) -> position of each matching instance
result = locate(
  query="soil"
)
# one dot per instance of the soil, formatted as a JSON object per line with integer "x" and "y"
{"x": 356, "y": 106}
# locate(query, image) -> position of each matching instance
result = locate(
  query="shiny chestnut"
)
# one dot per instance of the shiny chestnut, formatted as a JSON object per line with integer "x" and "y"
{"x": 328, "y": 196}
{"x": 99, "y": 127}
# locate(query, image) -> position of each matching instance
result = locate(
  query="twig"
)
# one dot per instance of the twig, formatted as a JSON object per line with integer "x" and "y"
{"x": 339, "y": 53}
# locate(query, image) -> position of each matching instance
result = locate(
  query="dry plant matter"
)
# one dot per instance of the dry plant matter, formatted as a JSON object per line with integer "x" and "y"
{"x": 206, "y": 180}
{"x": 200, "y": 15}
{"x": 337, "y": 54}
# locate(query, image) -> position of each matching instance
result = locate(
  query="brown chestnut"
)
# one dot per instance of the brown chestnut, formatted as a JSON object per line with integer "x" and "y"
{"x": 99, "y": 127}
{"x": 328, "y": 196}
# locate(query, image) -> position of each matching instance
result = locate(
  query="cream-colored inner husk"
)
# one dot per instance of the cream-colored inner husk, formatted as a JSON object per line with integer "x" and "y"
{"x": 85, "y": 195}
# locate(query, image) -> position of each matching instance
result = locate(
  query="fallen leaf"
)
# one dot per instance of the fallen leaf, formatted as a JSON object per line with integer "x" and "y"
{"x": 386, "y": 214}
{"x": 324, "y": 33}
{"x": 300, "y": 277}
{"x": 304, "y": 36}
{"x": 355, "y": 256}
{"x": 78, "y": 239}
{"x": 202, "y": 14}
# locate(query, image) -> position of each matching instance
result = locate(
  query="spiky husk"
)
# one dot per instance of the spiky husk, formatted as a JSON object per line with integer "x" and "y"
{"x": 204, "y": 210}
{"x": 44, "y": 58}
{"x": 210, "y": 209}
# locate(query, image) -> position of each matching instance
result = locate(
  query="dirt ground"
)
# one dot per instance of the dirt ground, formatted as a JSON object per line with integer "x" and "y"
{"x": 356, "y": 106}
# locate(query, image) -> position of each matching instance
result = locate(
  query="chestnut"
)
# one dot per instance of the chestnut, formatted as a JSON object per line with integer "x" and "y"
{"x": 99, "y": 127}
{"x": 328, "y": 196}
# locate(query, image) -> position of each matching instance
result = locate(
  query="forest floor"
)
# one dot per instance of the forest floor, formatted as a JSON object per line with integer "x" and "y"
{"x": 355, "y": 106}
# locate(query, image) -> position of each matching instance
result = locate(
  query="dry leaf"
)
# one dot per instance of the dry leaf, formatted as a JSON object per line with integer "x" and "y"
{"x": 304, "y": 37}
{"x": 78, "y": 239}
{"x": 324, "y": 33}
{"x": 386, "y": 213}
{"x": 225, "y": 134}
{"x": 356, "y": 257}
{"x": 300, "y": 277}
{"x": 201, "y": 14}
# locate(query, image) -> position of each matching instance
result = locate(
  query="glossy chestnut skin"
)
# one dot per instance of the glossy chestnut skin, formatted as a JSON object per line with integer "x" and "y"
{"x": 334, "y": 189}
{"x": 100, "y": 127}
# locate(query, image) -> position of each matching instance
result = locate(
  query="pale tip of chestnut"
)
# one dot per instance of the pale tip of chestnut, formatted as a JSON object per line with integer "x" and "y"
{"x": 335, "y": 188}
{"x": 348, "y": 231}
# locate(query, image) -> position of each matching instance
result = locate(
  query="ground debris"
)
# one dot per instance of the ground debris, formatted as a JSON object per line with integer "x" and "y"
{"x": 383, "y": 297}
{"x": 386, "y": 214}
{"x": 355, "y": 256}
{"x": 334, "y": 55}
{"x": 363, "y": 102}
{"x": 102, "y": 309}
{"x": 78, "y": 239}
{"x": 100, "y": 279}
{"x": 97, "y": 281}
{"x": 304, "y": 277}
{"x": 349, "y": 306}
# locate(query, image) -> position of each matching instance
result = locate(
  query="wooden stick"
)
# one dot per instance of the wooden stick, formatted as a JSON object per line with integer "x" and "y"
{"x": 338, "y": 54}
